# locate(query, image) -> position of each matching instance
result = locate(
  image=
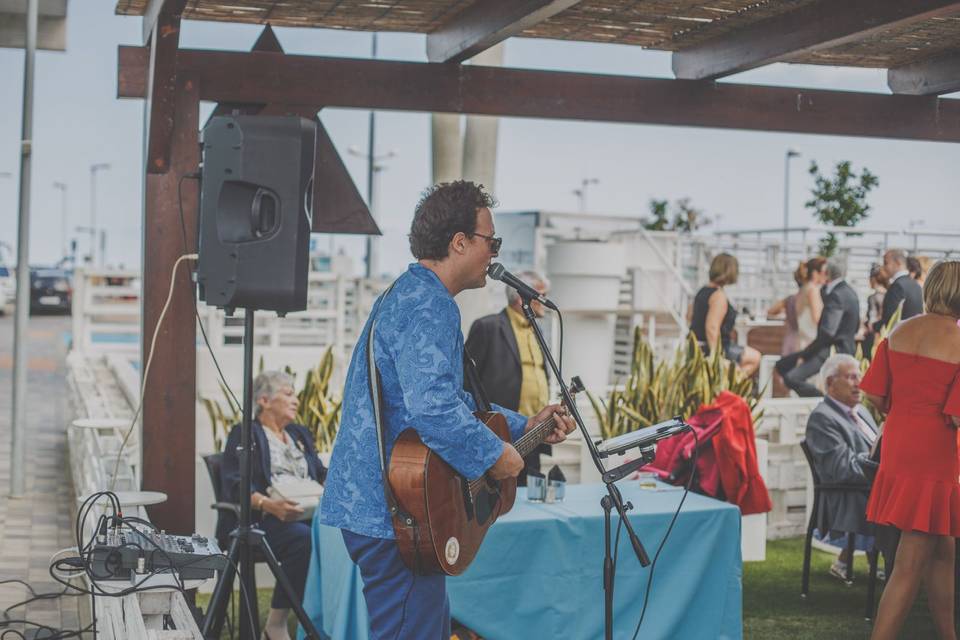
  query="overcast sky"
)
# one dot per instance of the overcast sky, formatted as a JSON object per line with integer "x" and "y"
{"x": 735, "y": 176}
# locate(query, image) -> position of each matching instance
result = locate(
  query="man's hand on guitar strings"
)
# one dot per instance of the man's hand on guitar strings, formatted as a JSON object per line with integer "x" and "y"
{"x": 565, "y": 422}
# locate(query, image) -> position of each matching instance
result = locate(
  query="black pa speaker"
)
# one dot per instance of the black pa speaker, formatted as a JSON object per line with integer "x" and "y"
{"x": 256, "y": 212}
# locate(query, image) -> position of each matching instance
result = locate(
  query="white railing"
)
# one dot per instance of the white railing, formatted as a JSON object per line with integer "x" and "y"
{"x": 103, "y": 389}
{"x": 106, "y": 314}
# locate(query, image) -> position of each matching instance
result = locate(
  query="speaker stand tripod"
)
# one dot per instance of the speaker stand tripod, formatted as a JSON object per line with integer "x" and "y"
{"x": 246, "y": 538}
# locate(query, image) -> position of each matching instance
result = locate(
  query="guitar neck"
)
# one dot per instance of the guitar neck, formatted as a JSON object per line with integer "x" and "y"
{"x": 534, "y": 437}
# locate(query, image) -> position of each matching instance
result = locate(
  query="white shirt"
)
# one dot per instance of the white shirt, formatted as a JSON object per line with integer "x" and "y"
{"x": 898, "y": 275}
{"x": 286, "y": 458}
{"x": 853, "y": 414}
{"x": 832, "y": 285}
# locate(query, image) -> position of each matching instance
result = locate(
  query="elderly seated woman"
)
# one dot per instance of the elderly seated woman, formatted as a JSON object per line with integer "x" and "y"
{"x": 281, "y": 450}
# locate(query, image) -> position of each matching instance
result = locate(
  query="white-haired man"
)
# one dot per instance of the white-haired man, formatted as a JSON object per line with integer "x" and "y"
{"x": 840, "y": 435}
{"x": 510, "y": 365}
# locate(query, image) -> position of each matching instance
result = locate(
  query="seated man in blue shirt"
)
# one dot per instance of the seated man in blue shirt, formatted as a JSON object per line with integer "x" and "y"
{"x": 418, "y": 349}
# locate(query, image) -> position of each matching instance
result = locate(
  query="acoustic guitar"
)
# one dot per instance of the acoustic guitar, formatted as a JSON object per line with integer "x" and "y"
{"x": 451, "y": 514}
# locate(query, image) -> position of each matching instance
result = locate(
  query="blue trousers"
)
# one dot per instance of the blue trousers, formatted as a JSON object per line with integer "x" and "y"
{"x": 401, "y": 604}
{"x": 290, "y": 542}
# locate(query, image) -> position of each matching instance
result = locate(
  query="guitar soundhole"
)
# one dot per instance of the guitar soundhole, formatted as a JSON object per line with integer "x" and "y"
{"x": 486, "y": 502}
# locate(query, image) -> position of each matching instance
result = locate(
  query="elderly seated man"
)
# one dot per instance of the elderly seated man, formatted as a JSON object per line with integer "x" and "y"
{"x": 840, "y": 435}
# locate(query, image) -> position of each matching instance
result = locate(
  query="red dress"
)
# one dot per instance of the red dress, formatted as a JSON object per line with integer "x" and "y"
{"x": 917, "y": 486}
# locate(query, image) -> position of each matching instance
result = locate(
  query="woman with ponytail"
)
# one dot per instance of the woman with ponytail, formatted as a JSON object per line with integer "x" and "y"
{"x": 802, "y": 309}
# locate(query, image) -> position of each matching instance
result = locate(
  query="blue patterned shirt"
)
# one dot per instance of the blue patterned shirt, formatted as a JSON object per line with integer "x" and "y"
{"x": 418, "y": 348}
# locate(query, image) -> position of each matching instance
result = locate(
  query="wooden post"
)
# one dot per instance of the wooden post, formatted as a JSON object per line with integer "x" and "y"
{"x": 169, "y": 405}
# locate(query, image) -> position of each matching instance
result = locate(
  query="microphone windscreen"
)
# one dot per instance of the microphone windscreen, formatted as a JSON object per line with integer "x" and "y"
{"x": 495, "y": 270}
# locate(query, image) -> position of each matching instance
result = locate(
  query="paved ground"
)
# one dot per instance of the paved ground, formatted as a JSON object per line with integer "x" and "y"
{"x": 35, "y": 526}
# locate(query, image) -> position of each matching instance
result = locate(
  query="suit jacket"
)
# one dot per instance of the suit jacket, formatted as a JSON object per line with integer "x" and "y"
{"x": 493, "y": 346}
{"x": 838, "y": 325}
{"x": 841, "y": 455}
{"x": 904, "y": 289}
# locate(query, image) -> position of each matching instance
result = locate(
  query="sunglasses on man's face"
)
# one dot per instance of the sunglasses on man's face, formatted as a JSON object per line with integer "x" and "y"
{"x": 492, "y": 241}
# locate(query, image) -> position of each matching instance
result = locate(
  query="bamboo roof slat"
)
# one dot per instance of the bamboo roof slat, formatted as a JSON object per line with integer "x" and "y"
{"x": 666, "y": 25}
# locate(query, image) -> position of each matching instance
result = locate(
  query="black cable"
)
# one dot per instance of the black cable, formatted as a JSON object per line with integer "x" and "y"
{"x": 235, "y": 406}
{"x": 656, "y": 556}
{"x": 616, "y": 550}
{"x": 560, "y": 365}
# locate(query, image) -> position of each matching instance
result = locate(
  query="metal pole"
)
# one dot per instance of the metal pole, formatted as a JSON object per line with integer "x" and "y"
{"x": 371, "y": 168}
{"x": 93, "y": 214}
{"x": 582, "y": 192}
{"x": 786, "y": 201}
{"x": 62, "y": 187}
{"x": 373, "y": 248}
{"x": 18, "y": 444}
{"x": 93, "y": 211}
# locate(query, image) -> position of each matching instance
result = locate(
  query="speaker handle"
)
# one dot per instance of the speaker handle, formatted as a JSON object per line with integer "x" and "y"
{"x": 308, "y": 202}
{"x": 257, "y": 212}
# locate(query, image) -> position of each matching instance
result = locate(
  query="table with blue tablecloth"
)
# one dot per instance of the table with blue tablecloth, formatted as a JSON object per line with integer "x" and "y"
{"x": 539, "y": 572}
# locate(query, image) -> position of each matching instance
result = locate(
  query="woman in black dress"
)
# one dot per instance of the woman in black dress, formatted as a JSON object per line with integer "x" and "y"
{"x": 712, "y": 316}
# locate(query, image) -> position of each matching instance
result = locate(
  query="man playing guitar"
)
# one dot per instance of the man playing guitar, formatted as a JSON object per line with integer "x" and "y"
{"x": 418, "y": 349}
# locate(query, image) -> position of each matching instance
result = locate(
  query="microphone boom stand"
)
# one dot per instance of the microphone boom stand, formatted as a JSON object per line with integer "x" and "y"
{"x": 247, "y": 538}
{"x": 613, "y": 499}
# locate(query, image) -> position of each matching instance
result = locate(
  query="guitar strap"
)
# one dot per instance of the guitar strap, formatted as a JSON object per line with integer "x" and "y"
{"x": 396, "y": 511}
{"x": 474, "y": 384}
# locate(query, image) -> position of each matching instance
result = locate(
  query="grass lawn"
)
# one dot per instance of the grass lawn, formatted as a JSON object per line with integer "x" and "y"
{"x": 772, "y": 606}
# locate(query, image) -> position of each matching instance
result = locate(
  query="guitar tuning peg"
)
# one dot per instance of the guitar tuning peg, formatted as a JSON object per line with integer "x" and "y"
{"x": 576, "y": 384}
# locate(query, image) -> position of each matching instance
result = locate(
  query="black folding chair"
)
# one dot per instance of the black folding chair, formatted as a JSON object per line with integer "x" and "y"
{"x": 872, "y": 555}
{"x": 231, "y": 510}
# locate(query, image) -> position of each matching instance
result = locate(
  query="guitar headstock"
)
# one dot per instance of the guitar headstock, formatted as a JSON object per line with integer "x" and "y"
{"x": 576, "y": 385}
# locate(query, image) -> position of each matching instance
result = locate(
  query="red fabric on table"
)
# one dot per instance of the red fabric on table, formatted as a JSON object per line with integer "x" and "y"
{"x": 728, "y": 455}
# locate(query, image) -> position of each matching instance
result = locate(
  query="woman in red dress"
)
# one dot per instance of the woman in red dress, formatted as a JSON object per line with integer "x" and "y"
{"x": 915, "y": 379}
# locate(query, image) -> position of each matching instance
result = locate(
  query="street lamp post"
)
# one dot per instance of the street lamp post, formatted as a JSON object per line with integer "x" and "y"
{"x": 94, "y": 168}
{"x": 581, "y": 193}
{"x": 18, "y": 414}
{"x": 4, "y": 245}
{"x": 62, "y": 187}
{"x": 791, "y": 154}
{"x": 375, "y": 167}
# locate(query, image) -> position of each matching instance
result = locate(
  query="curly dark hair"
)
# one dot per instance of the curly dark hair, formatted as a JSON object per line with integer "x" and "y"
{"x": 444, "y": 210}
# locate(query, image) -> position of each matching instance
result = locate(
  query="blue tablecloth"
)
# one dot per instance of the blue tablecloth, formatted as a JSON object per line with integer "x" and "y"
{"x": 539, "y": 572}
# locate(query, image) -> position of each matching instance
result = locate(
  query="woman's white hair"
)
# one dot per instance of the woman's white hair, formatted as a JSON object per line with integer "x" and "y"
{"x": 267, "y": 384}
{"x": 532, "y": 278}
{"x": 832, "y": 366}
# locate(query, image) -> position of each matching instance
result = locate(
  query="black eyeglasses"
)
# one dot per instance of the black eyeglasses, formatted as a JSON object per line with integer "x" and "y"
{"x": 492, "y": 241}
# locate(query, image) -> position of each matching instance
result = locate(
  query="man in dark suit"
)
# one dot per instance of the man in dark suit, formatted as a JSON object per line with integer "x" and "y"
{"x": 510, "y": 365}
{"x": 903, "y": 289}
{"x": 839, "y": 323}
{"x": 840, "y": 435}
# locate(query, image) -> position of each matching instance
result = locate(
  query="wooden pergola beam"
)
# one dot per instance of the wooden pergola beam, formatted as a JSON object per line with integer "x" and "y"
{"x": 267, "y": 42}
{"x": 815, "y": 26}
{"x": 169, "y": 403}
{"x": 429, "y": 87}
{"x": 484, "y": 24}
{"x": 926, "y": 78}
{"x": 163, "y": 45}
{"x": 157, "y": 9}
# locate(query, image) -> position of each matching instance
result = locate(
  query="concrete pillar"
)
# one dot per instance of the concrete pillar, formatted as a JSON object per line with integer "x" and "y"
{"x": 480, "y": 135}
{"x": 447, "y": 147}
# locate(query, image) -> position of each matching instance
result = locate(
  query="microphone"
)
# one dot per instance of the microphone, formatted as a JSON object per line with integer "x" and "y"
{"x": 498, "y": 272}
